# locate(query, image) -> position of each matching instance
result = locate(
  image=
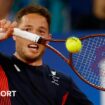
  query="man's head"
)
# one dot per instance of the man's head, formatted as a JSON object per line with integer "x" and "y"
{"x": 35, "y": 19}
{"x": 34, "y": 9}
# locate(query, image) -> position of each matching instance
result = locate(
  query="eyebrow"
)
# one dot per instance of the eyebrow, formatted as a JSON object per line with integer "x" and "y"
{"x": 41, "y": 27}
{"x": 28, "y": 26}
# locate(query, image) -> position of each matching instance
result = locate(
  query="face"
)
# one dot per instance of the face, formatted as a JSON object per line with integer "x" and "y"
{"x": 26, "y": 49}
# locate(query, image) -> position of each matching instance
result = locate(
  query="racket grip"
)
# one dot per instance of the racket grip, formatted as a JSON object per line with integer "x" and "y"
{"x": 27, "y": 35}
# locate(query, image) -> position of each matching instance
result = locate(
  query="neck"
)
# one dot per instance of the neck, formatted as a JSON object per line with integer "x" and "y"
{"x": 37, "y": 62}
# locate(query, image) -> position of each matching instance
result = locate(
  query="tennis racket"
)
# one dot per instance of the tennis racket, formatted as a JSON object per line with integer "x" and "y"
{"x": 88, "y": 64}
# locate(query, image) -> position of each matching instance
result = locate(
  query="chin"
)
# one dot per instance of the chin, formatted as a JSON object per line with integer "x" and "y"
{"x": 33, "y": 57}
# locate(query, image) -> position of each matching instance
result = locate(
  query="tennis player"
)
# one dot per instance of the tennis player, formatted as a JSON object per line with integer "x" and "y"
{"x": 24, "y": 79}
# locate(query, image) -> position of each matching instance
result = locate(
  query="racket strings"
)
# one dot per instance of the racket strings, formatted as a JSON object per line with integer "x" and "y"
{"x": 87, "y": 61}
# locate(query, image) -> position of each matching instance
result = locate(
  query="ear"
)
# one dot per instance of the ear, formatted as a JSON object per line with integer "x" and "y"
{"x": 48, "y": 37}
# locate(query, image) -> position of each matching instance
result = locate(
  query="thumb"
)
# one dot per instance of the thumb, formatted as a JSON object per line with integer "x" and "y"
{"x": 9, "y": 32}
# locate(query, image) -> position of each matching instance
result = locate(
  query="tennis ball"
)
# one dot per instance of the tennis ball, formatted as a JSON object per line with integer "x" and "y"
{"x": 73, "y": 44}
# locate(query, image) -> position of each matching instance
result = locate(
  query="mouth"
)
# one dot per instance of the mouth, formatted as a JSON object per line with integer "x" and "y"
{"x": 34, "y": 47}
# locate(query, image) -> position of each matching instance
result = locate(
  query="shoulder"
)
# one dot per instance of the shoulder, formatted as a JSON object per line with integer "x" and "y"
{"x": 57, "y": 73}
{"x": 64, "y": 82}
{"x": 62, "y": 79}
{"x": 68, "y": 87}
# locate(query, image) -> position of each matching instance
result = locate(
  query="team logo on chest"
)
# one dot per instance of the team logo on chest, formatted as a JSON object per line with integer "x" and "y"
{"x": 55, "y": 78}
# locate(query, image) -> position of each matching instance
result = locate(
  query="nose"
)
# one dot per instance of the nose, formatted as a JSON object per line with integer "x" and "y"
{"x": 33, "y": 31}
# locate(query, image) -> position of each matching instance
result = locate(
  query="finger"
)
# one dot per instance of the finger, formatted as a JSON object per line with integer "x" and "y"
{"x": 7, "y": 25}
{"x": 2, "y": 23}
{"x": 9, "y": 32}
{"x": 4, "y": 36}
{"x": 14, "y": 24}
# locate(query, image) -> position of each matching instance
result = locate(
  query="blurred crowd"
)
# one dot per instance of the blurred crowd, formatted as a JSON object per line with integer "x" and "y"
{"x": 67, "y": 15}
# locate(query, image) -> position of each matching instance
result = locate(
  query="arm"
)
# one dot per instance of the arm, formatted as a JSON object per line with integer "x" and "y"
{"x": 5, "y": 33}
{"x": 76, "y": 97}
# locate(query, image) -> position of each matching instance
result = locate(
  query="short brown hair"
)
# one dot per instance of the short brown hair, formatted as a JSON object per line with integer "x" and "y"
{"x": 34, "y": 9}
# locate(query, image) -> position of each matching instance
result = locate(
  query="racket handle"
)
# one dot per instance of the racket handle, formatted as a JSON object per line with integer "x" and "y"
{"x": 27, "y": 35}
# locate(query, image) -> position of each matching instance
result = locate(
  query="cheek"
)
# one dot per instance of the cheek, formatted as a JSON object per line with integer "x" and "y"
{"x": 20, "y": 43}
{"x": 42, "y": 47}
{"x": 19, "y": 47}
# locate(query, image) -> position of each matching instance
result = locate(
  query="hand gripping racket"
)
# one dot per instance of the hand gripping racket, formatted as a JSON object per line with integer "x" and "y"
{"x": 88, "y": 64}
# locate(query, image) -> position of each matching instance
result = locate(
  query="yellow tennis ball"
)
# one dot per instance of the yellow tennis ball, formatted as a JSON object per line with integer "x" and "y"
{"x": 73, "y": 44}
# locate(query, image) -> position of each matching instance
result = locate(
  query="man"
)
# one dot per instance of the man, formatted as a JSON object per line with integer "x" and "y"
{"x": 24, "y": 77}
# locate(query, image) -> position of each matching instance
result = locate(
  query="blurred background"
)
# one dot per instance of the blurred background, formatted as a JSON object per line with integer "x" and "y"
{"x": 69, "y": 18}
{"x": 67, "y": 15}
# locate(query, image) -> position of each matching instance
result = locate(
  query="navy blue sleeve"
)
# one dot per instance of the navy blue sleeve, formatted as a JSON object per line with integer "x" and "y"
{"x": 75, "y": 96}
{"x": 70, "y": 93}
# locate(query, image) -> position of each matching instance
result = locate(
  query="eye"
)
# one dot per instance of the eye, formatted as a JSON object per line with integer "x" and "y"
{"x": 41, "y": 31}
{"x": 27, "y": 29}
